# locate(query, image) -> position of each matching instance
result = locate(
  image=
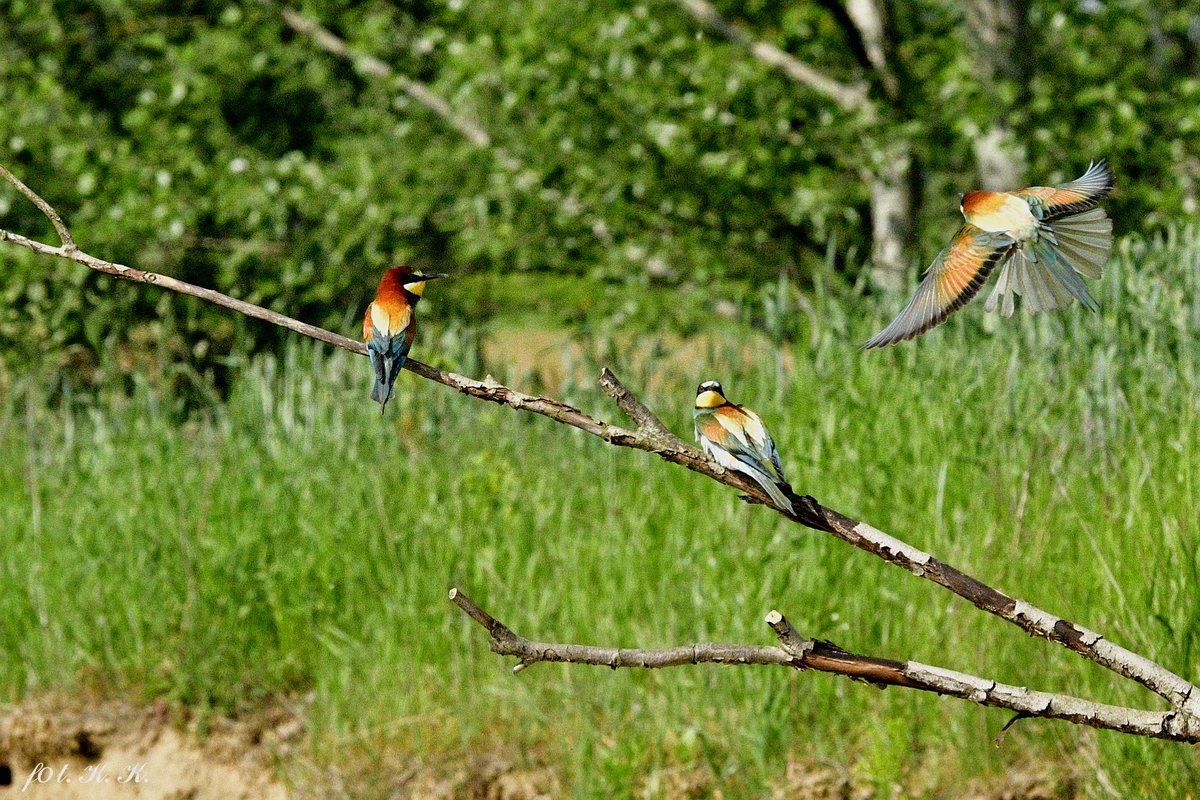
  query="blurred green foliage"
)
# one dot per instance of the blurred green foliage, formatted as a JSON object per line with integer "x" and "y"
{"x": 208, "y": 140}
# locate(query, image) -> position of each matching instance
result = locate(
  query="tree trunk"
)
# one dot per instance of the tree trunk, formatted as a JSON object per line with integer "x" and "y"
{"x": 1000, "y": 158}
{"x": 1000, "y": 32}
{"x": 870, "y": 21}
{"x": 891, "y": 218}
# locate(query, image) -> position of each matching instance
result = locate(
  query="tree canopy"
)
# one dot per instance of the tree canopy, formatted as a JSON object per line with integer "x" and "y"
{"x": 627, "y": 141}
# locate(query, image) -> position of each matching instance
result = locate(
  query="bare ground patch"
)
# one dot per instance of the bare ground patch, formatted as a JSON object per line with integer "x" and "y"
{"x": 261, "y": 757}
{"x": 114, "y": 750}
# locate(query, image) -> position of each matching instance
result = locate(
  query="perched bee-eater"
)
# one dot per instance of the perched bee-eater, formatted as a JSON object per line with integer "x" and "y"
{"x": 736, "y": 439}
{"x": 1045, "y": 237}
{"x": 389, "y": 326}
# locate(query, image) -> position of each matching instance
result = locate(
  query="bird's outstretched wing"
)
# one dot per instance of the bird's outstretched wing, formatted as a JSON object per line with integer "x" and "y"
{"x": 954, "y": 277}
{"x": 1081, "y": 194}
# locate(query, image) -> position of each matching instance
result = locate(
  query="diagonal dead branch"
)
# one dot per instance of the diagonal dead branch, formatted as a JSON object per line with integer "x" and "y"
{"x": 649, "y": 437}
{"x": 800, "y": 653}
{"x": 327, "y": 41}
{"x": 851, "y": 97}
{"x": 182, "y": 287}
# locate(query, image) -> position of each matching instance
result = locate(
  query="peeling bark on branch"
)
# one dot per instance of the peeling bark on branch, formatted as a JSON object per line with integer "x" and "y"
{"x": 652, "y": 436}
{"x": 799, "y": 652}
{"x": 1178, "y": 692}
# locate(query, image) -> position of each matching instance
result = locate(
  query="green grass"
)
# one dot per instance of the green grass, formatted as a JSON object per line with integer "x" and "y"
{"x": 290, "y": 539}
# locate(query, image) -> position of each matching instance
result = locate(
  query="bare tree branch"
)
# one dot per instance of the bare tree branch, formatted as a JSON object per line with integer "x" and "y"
{"x": 174, "y": 285}
{"x": 1180, "y": 693}
{"x": 799, "y": 652}
{"x": 507, "y": 643}
{"x": 468, "y": 127}
{"x": 636, "y": 410}
{"x": 851, "y": 97}
{"x": 64, "y": 235}
{"x": 330, "y": 43}
{"x": 653, "y": 437}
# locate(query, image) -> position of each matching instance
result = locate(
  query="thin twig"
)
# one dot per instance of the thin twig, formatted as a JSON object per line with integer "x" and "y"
{"x": 1180, "y": 693}
{"x": 1020, "y": 715}
{"x": 60, "y": 227}
{"x": 182, "y": 287}
{"x": 800, "y": 653}
{"x": 494, "y": 627}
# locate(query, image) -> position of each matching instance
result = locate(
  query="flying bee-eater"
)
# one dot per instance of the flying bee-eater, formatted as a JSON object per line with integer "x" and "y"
{"x": 389, "y": 326}
{"x": 1043, "y": 237}
{"x": 736, "y": 439}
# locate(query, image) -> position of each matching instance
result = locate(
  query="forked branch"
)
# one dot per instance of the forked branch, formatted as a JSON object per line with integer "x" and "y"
{"x": 798, "y": 652}
{"x": 652, "y": 436}
{"x": 60, "y": 227}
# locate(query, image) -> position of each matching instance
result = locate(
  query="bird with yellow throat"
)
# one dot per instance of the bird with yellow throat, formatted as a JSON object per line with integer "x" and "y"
{"x": 735, "y": 437}
{"x": 390, "y": 325}
{"x": 1045, "y": 239}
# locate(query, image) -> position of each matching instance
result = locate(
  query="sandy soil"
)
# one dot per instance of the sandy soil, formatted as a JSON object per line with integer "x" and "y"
{"x": 53, "y": 748}
{"x": 72, "y": 749}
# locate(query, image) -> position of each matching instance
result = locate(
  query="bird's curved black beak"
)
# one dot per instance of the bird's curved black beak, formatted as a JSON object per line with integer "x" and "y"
{"x": 430, "y": 276}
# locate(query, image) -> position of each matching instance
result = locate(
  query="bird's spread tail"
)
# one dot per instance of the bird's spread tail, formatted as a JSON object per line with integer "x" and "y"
{"x": 1046, "y": 270}
{"x": 1084, "y": 241}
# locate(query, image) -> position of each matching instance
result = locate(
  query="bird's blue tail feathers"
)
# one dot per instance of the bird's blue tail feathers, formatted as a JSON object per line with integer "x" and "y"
{"x": 777, "y": 489}
{"x": 1047, "y": 270}
{"x": 388, "y": 354}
